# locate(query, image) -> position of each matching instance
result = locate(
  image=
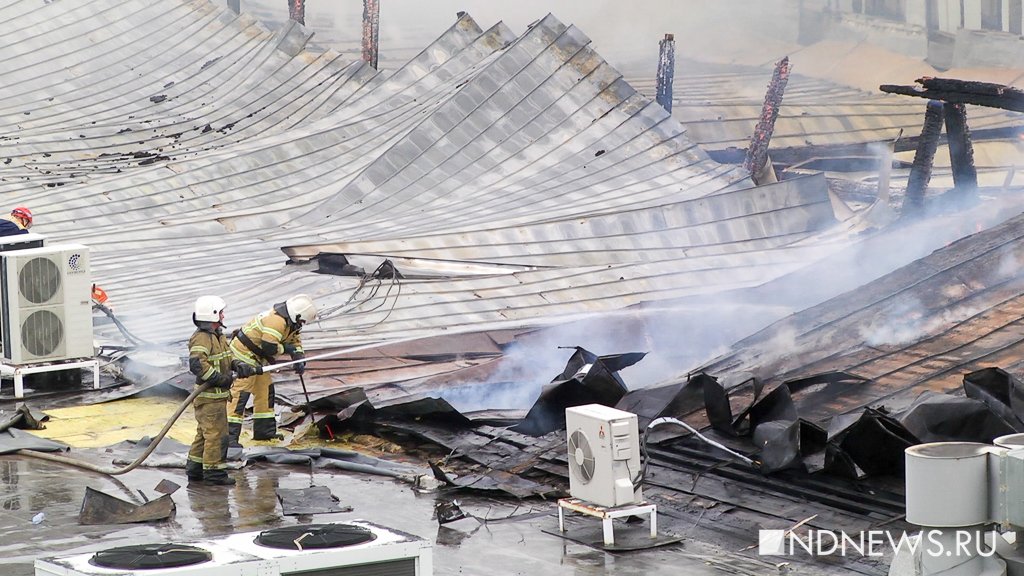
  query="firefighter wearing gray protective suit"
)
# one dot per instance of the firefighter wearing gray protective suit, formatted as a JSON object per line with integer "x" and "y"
{"x": 256, "y": 344}
{"x": 210, "y": 359}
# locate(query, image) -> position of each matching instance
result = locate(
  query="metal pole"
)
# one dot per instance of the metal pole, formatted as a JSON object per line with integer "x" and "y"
{"x": 309, "y": 405}
{"x": 371, "y": 29}
{"x": 235, "y": 6}
{"x": 666, "y": 71}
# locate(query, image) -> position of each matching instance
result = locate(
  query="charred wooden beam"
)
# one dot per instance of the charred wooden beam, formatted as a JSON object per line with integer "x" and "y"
{"x": 757, "y": 152}
{"x": 921, "y": 170}
{"x": 666, "y": 71}
{"x": 297, "y": 11}
{"x": 962, "y": 92}
{"x": 796, "y": 154}
{"x": 961, "y": 152}
{"x": 371, "y": 31}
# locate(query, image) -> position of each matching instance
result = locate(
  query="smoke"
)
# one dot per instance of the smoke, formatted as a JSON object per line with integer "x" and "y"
{"x": 674, "y": 338}
{"x": 908, "y": 321}
{"x": 1009, "y": 266}
{"x": 625, "y": 34}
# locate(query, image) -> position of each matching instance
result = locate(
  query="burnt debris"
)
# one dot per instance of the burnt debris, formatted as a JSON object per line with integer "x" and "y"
{"x": 756, "y": 161}
{"x": 962, "y": 92}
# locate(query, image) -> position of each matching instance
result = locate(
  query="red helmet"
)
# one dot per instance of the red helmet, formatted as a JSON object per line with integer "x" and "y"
{"x": 24, "y": 214}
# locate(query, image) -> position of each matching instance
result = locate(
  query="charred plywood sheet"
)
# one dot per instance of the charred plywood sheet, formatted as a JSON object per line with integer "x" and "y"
{"x": 194, "y": 145}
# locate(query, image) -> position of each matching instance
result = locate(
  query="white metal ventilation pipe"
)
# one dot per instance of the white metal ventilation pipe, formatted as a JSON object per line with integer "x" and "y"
{"x": 1011, "y": 486}
{"x": 948, "y": 489}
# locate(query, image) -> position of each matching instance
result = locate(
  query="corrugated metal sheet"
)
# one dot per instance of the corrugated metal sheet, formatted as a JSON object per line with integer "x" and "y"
{"x": 187, "y": 147}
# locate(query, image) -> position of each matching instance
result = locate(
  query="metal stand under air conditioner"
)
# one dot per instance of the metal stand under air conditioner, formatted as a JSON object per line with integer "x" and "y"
{"x": 19, "y": 372}
{"x": 607, "y": 515}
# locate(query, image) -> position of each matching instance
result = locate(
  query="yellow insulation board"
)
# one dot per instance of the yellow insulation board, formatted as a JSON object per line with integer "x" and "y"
{"x": 99, "y": 425}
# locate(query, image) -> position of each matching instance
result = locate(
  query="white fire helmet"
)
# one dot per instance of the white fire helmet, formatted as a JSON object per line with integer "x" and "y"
{"x": 300, "y": 309}
{"x": 209, "y": 308}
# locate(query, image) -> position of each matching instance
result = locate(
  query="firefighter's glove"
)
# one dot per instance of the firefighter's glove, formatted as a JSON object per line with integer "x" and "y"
{"x": 300, "y": 367}
{"x": 222, "y": 380}
{"x": 243, "y": 370}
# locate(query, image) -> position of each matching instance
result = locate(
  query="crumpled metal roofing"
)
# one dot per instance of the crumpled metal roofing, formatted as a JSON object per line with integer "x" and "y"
{"x": 187, "y": 146}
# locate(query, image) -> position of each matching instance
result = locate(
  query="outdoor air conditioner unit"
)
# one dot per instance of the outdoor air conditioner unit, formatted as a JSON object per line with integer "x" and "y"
{"x": 45, "y": 304}
{"x": 604, "y": 455}
{"x": 21, "y": 241}
{"x": 356, "y": 548}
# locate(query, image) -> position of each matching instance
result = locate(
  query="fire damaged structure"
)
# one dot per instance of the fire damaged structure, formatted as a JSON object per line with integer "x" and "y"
{"x": 787, "y": 289}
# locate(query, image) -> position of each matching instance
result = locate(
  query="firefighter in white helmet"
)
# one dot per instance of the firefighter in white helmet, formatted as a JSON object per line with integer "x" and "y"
{"x": 257, "y": 344}
{"x": 210, "y": 359}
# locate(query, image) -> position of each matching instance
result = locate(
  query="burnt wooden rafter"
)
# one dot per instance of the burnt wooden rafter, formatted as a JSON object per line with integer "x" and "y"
{"x": 962, "y": 92}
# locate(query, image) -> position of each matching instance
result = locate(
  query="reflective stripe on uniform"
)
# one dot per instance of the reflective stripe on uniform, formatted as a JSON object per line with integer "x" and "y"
{"x": 258, "y": 322}
{"x": 262, "y": 414}
{"x": 215, "y": 393}
{"x": 242, "y": 353}
{"x": 235, "y": 419}
{"x": 223, "y": 395}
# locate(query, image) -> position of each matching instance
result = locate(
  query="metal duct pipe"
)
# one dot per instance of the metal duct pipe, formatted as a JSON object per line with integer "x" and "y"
{"x": 961, "y": 498}
{"x": 666, "y": 71}
{"x": 949, "y": 491}
{"x": 235, "y": 6}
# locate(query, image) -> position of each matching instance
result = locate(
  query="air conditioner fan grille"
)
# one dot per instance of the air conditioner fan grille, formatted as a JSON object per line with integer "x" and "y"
{"x": 314, "y": 536}
{"x": 42, "y": 332}
{"x": 39, "y": 280}
{"x": 581, "y": 456}
{"x": 150, "y": 556}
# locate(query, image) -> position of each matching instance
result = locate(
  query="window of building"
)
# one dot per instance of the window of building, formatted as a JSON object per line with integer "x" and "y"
{"x": 931, "y": 14}
{"x": 992, "y": 14}
{"x": 888, "y": 9}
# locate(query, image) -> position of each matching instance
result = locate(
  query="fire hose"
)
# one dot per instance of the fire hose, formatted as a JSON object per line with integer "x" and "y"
{"x": 114, "y": 471}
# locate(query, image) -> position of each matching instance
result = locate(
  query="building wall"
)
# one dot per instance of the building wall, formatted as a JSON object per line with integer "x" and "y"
{"x": 950, "y": 15}
{"x": 917, "y": 13}
{"x": 957, "y": 32}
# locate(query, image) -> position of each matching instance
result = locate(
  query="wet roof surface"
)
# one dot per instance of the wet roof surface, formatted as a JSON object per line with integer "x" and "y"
{"x": 513, "y": 538}
{"x": 515, "y": 180}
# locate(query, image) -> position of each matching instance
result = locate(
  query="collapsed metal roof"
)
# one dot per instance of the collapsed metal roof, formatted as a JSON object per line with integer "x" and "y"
{"x": 522, "y": 176}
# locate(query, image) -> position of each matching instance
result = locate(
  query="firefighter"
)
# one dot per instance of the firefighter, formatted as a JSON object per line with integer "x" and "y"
{"x": 271, "y": 333}
{"x": 210, "y": 359}
{"x": 17, "y": 222}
